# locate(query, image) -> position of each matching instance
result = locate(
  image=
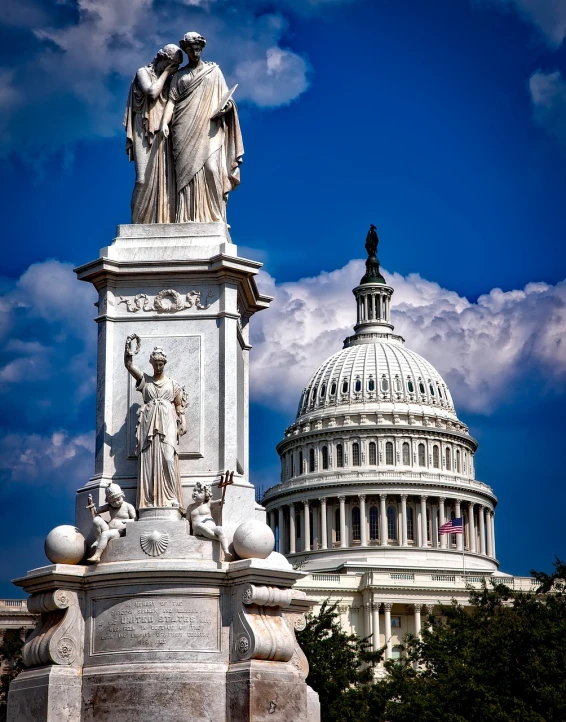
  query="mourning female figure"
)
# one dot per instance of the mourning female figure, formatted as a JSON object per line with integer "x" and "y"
{"x": 207, "y": 147}
{"x": 153, "y": 199}
{"x": 161, "y": 421}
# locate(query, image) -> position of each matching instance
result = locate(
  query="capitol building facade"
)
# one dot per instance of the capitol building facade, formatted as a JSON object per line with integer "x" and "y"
{"x": 374, "y": 464}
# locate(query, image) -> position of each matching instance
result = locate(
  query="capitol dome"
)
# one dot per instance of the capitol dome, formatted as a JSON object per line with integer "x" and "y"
{"x": 376, "y": 460}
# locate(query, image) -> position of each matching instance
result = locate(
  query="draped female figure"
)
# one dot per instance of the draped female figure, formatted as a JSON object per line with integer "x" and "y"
{"x": 153, "y": 199}
{"x": 207, "y": 143}
{"x": 161, "y": 421}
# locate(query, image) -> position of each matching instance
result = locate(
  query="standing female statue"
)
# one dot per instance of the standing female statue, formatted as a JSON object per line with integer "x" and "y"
{"x": 207, "y": 142}
{"x": 153, "y": 199}
{"x": 161, "y": 420}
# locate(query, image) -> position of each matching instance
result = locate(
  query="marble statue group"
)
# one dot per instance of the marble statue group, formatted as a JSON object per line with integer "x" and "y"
{"x": 183, "y": 134}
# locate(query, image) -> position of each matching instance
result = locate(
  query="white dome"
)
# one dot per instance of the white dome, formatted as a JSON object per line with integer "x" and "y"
{"x": 382, "y": 376}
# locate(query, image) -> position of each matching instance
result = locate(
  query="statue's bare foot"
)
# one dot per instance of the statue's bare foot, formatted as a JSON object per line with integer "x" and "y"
{"x": 95, "y": 557}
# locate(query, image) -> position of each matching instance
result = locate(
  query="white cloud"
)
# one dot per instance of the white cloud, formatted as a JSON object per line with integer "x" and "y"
{"x": 80, "y": 75}
{"x": 548, "y": 16}
{"x": 38, "y": 458}
{"x": 481, "y": 349}
{"x": 548, "y": 98}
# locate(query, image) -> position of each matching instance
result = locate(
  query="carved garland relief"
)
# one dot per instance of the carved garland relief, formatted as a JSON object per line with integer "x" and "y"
{"x": 167, "y": 301}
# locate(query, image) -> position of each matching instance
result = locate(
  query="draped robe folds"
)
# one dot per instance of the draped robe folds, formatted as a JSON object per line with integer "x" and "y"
{"x": 207, "y": 152}
{"x": 159, "y": 482}
{"x": 153, "y": 199}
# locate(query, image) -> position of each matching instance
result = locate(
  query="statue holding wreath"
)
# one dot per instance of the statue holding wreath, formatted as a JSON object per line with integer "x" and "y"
{"x": 161, "y": 421}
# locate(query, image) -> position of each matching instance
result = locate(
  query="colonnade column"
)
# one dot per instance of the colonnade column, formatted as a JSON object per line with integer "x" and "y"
{"x": 342, "y": 500}
{"x": 363, "y": 521}
{"x": 482, "y": 529}
{"x": 387, "y": 609}
{"x": 492, "y": 522}
{"x": 367, "y": 620}
{"x": 375, "y": 625}
{"x": 459, "y": 537}
{"x": 417, "y": 608}
{"x": 383, "y": 531}
{"x": 323, "y": 531}
{"x": 307, "y": 525}
{"x": 281, "y": 532}
{"x": 404, "y": 520}
{"x": 489, "y": 535}
{"x": 424, "y": 525}
{"x": 292, "y": 534}
{"x": 472, "y": 526}
{"x": 441, "y": 520}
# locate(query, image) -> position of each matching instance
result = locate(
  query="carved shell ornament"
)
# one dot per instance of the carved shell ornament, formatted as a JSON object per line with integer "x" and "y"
{"x": 154, "y": 543}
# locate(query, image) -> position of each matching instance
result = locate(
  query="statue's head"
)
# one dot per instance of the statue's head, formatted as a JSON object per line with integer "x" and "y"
{"x": 114, "y": 495}
{"x": 158, "y": 359}
{"x": 169, "y": 54}
{"x": 192, "y": 44}
{"x": 202, "y": 492}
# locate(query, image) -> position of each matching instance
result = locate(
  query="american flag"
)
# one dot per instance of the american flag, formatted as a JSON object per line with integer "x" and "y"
{"x": 454, "y": 526}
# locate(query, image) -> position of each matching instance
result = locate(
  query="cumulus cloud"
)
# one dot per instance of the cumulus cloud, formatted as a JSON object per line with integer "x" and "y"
{"x": 548, "y": 98}
{"x": 479, "y": 348}
{"x": 81, "y": 65}
{"x": 548, "y": 16}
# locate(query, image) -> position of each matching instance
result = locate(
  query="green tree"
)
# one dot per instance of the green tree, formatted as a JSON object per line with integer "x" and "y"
{"x": 341, "y": 667}
{"x": 503, "y": 659}
{"x": 11, "y": 661}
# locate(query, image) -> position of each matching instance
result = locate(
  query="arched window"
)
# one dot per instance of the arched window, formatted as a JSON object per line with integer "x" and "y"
{"x": 457, "y": 461}
{"x": 406, "y": 454}
{"x": 373, "y": 524}
{"x": 298, "y": 525}
{"x": 391, "y": 523}
{"x": 323, "y": 391}
{"x": 439, "y": 391}
{"x": 448, "y": 460}
{"x": 410, "y": 386}
{"x": 358, "y": 386}
{"x": 372, "y": 453}
{"x": 314, "y": 394}
{"x": 333, "y": 389}
{"x": 421, "y": 387}
{"x": 356, "y": 524}
{"x": 431, "y": 387}
{"x": 410, "y": 524}
{"x": 300, "y": 462}
{"x": 339, "y": 455}
{"x": 311, "y": 460}
{"x": 345, "y": 386}
{"x": 337, "y": 525}
{"x": 421, "y": 455}
{"x": 325, "y": 457}
{"x": 397, "y": 384}
{"x": 384, "y": 384}
{"x": 389, "y": 453}
{"x": 435, "y": 457}
{"x": 355, "y": 454}
{"x": 371, "y": 385}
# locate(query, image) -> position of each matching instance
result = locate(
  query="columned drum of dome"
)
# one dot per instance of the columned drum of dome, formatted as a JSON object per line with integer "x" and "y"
{"x": 377, "y": 459}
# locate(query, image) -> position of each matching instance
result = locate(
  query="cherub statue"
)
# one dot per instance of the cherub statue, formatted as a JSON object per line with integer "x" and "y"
{"x": 201, "y": 517}
{"x": 120, "y": 513}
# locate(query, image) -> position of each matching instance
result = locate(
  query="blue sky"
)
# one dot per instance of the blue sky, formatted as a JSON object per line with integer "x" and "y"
{"x": 444, "y": 123}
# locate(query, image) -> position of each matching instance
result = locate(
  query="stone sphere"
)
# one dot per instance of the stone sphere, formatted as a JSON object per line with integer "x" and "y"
{"x": 65, "y": 545}
{"x": 253, "y": 540}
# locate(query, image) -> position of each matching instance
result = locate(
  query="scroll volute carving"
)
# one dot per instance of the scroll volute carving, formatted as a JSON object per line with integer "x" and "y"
{"x": 59, "y": 636}
{"x": 260, "y": 630}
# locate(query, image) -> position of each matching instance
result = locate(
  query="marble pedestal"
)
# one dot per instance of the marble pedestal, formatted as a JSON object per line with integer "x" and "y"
{"x": 171, "y": 639}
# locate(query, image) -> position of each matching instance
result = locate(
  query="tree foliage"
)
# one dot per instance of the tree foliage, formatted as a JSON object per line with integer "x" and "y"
{"x": 11, "y": 646}
{"x": 341, "y": 666}
{"x": 502, "y": 659}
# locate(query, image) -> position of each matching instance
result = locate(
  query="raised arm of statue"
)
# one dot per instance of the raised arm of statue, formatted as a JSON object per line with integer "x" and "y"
{"x": 129, "y": 356}
{"x": 153, "y": 87}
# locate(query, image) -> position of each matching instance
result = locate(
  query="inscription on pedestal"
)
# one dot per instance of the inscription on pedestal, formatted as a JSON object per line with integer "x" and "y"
{"x": 155, "y": 623}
